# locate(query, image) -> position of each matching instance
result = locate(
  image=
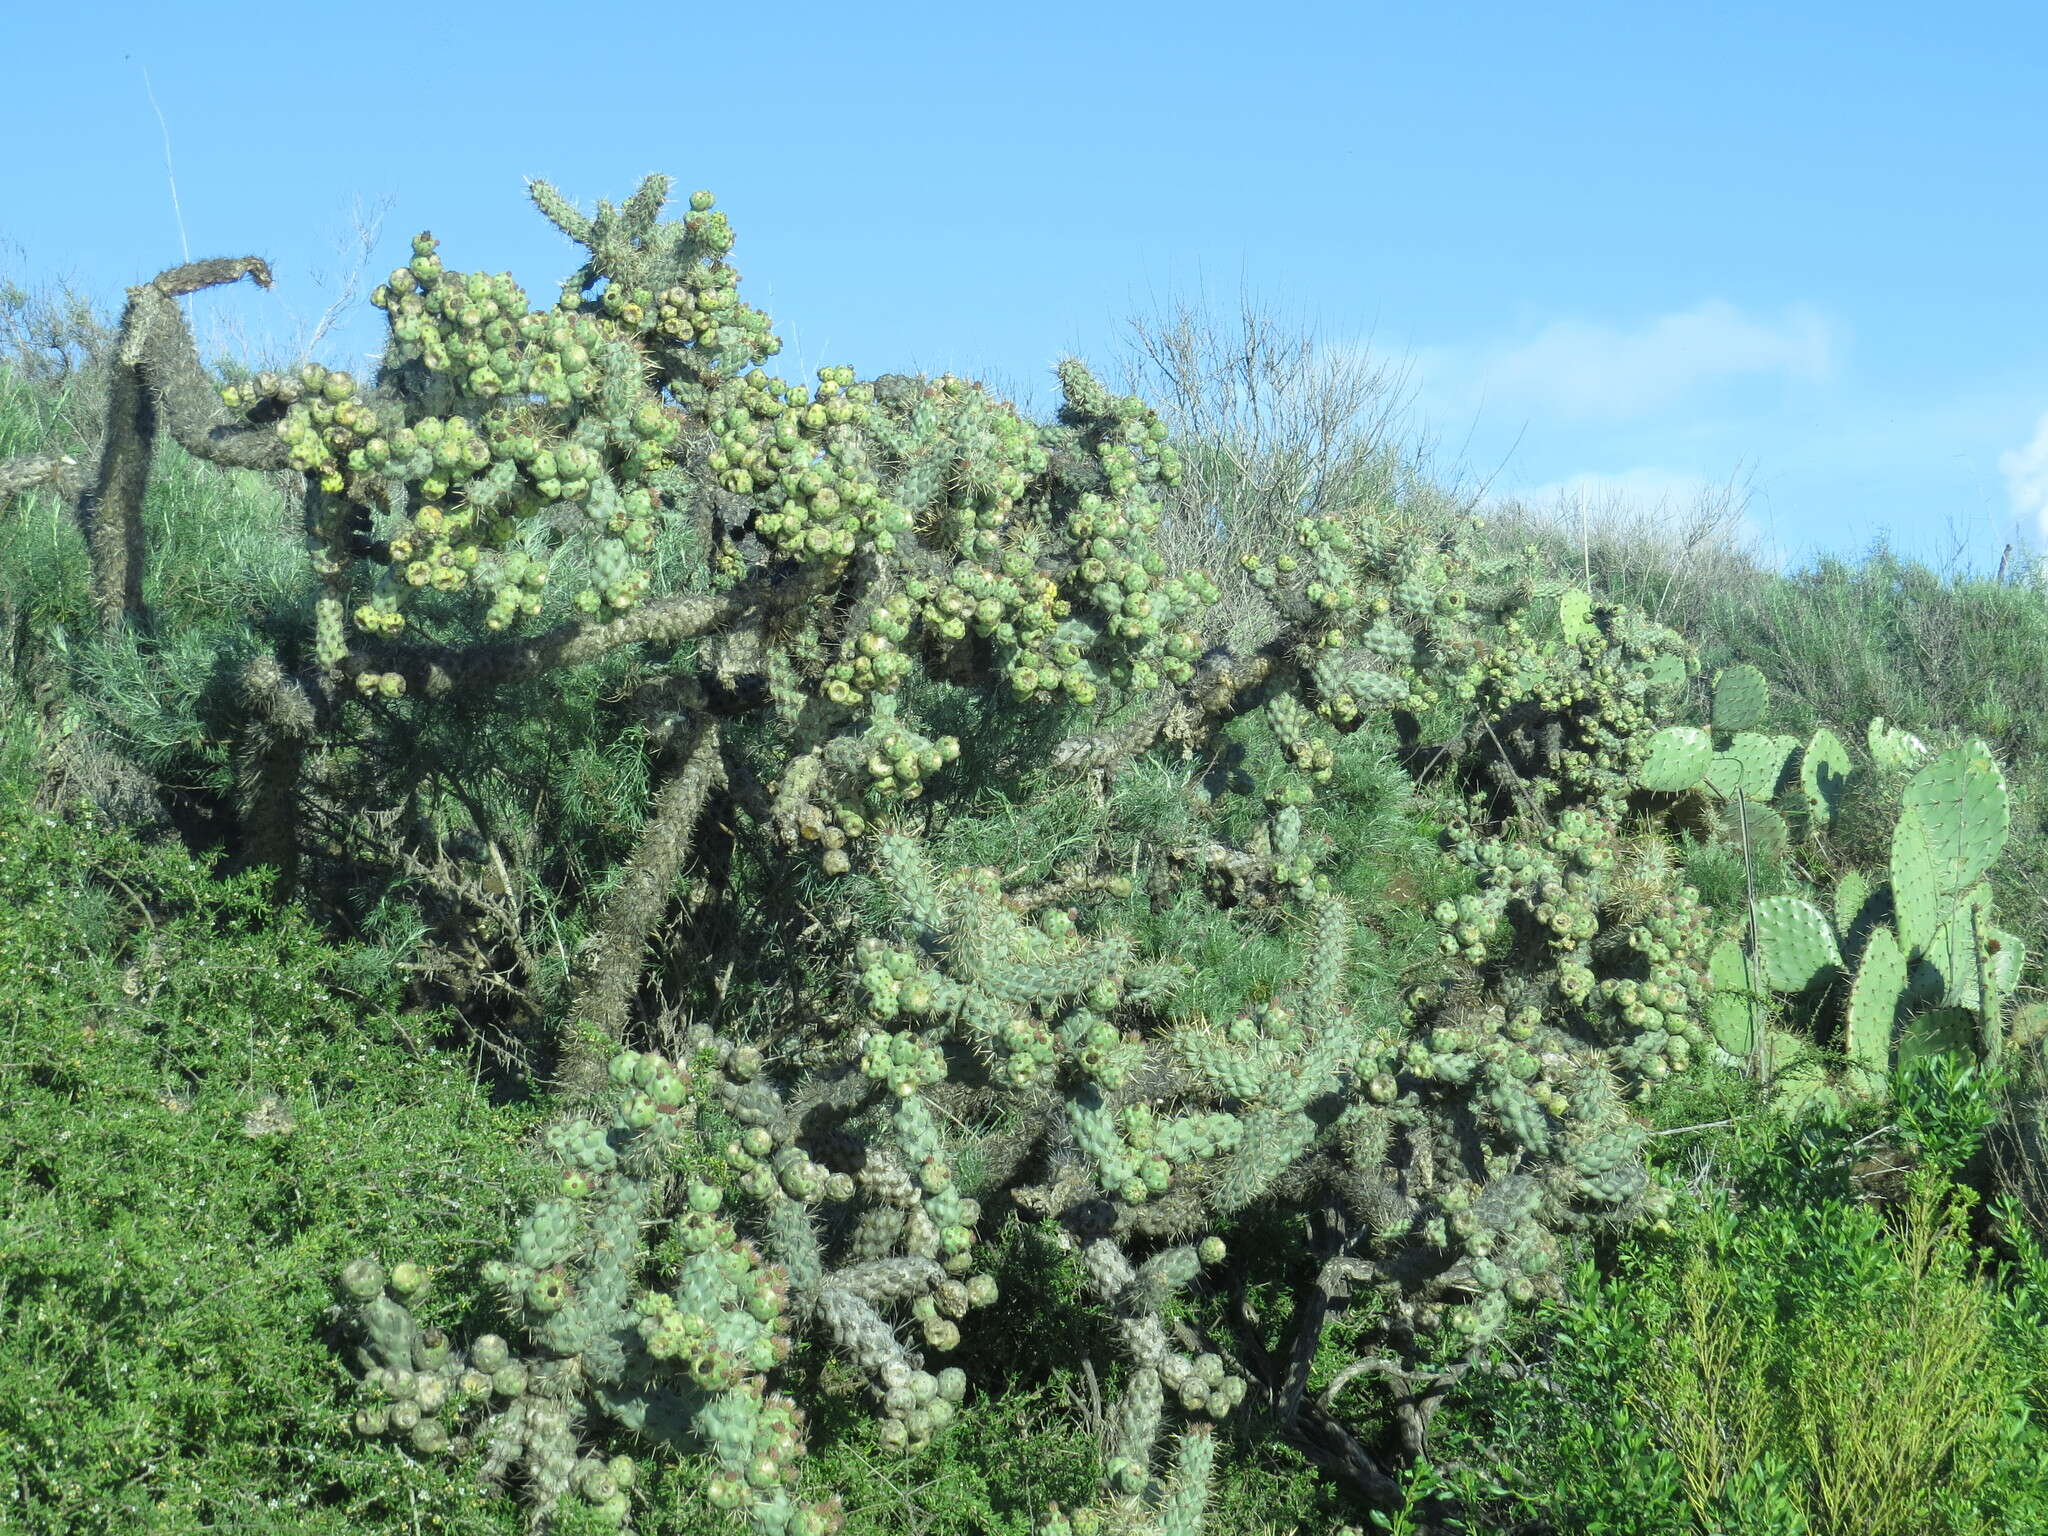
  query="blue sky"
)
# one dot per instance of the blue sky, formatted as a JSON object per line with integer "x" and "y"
{"x": 1627, "y": 250}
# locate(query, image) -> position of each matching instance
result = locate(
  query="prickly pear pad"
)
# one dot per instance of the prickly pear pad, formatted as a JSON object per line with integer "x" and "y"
{"x": 1795, "y": 943}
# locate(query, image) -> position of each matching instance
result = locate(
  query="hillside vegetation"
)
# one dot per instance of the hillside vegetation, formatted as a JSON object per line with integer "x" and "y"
{"x": 593, "y": 938}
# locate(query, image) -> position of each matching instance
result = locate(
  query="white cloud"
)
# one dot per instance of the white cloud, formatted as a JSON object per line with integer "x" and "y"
{"x": 1590, "y": 370}
{"x": 2026, "y": 478}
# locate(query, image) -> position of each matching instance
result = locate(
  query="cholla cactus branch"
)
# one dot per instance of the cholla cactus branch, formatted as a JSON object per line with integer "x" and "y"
{"x": 156, "y": 381}
{"x": 61, "y": 472}
{"x": 437, "y": 671}
{"x": 284, "y": 718}
{"x": 604, "y": 999}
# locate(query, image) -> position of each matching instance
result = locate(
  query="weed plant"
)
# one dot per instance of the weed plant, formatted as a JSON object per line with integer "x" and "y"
{"x": 1793, "y": 1356}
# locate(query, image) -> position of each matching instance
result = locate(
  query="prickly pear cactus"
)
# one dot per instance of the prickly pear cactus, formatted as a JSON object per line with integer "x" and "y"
{"x": 1741, "y": 699}
{"x": 1795, "y": 942}
{"x": 1916, "y": 964}
{"x": 1825, "y": 768}
{"x": 1678, "y": 758}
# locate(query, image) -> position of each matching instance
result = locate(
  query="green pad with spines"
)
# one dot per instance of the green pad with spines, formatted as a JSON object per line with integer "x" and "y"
{"x": 1891, "y": 747}
{"x": 2028, "y": 1026}
{"x": 1795, "y": 944}
{"x": 1824, "y": 772}
{"x": 1953, "y": 954}
{"x": 1852, "y": 894}
{"x": 1960, "y": 800}
{"x": 1916, "y": 893}
{"x": 1733, "y": 1006}
{"x": 1873, "y": 1006}
{"x": 1798, "y": 1079}
{"x": 2007, "y": 957}
{"x": 1679, "y": 755}
{"x": 1741, "y": 699}
{"x": 1944, "y": 1031}
{"x": 1664, "y": 674}
{"x": 1575, "y": 616}
{"x": 1778, "y": 1049}
{"x": 1764, "y": 828}
{"x": 1752, "y": 765}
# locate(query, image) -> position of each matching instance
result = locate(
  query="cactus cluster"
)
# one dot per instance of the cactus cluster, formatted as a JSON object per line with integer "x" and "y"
{"x": 680, "y": 1358}
{"x": 862, "y": 615}
{"x": 1874, "y": 971}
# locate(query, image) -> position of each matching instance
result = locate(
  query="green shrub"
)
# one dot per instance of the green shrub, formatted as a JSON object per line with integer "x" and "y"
{"x": 206, "y": 1108}
{"x": 1791, "y": 1358}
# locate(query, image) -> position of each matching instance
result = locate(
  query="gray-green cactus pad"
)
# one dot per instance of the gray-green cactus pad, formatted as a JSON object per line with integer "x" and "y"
{"x": 1741, "y": 699}
{"x": 1679, "y": 754}
{"x": 1795, "y": 943}
{"x": 1824, "y": 771}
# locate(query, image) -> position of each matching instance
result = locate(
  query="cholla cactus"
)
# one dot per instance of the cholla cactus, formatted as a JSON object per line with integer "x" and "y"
{"x": 860, "y": 613}
{"x": 681, "y": 1359}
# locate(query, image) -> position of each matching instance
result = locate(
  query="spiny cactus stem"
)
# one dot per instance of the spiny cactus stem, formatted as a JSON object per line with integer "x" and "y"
{"x": 436, "y": 671}
{"x": 156, "y": 379}
{"x": 1219, "y": 692}
{"x": 272, "y": 754}
{"x": 60, "y": 471}
{"x": 693, "y": 771}
{"x": 111, "y": 514}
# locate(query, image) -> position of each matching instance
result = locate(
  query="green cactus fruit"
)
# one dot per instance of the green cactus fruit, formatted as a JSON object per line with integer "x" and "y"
{"x": 429, "y": 1438}
{"x": 1873, "y": 1006}
{"x": 1733, "y": 1007}
{"x": 363, "y": 1279}
{"x": 1741, "y": 699}
{"x": 1960, "y": 800}
{"x": 1795, "y": 944}
{"x": 1678, "y": 756}
{"x": 408, "y": 1279}
{"x": 1950, "y": 1031}
{"x": 1824, "y": 770}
